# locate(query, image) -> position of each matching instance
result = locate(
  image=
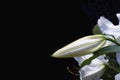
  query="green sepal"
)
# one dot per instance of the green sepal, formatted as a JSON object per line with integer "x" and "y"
{"x": 96, "y": 30}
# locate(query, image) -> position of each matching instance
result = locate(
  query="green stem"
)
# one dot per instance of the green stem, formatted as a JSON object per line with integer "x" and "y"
{"x": 118, "y": 71}
{"x": 114, "y": 41}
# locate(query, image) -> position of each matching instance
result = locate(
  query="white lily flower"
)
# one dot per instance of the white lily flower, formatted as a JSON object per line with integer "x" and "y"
{"x": 117, "y": 77}
{"x": 107, "y": 27}
{"x": 81, "y": 47}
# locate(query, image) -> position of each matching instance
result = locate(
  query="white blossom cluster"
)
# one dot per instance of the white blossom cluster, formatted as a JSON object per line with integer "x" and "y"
{"x": 83, "y": 49}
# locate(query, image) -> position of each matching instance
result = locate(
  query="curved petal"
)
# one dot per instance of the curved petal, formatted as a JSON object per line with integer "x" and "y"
{"x": 102, "y": 58}
{"x": 118, "y": 16}
{"x": 118, "y": 39}
{"x": 105, "y": 22}
{"x": 117, "y": 77}
{"x": 93, "y": 71}
{"x": 80, "y": 59}
{"x": 107, "y": 27}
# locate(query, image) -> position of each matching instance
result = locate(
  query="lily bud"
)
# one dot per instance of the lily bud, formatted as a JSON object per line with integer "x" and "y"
{"x": 81, "y": 47}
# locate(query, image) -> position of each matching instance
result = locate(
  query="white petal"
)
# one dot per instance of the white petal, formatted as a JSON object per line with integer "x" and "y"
{"x": 102, "y": 58}
{"x": 107, "y": 27}
{"x": 117, "y": 77}
{"x": 105, "y": 23}
{"x": 118, "y": 39}
{"x": 80, "y": 59}
{"x": 93, "y": 71}
{"x": 118, "y": 16}
{"x": 118, "y": 57}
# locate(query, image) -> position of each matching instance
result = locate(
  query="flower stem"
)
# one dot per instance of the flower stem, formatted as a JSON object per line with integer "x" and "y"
{"x": 114, "y": 41}
{"x": 110, "y": 66}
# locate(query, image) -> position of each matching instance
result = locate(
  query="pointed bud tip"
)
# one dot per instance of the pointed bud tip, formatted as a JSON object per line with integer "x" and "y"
{"x": 54, "y": 56}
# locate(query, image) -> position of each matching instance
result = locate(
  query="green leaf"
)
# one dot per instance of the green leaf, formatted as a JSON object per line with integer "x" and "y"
{"x": 96, "y": 30}
{"x": 102, "y": 51}
{"x": 108, "y": 49}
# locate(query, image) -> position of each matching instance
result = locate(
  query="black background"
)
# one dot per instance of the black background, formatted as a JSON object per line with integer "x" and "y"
{"x": 34, "y": 30}
{"x": 42, "y": 27}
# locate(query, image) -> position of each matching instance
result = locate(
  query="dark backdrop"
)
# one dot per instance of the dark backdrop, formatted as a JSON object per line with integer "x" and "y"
{"x": 36, "y": 29}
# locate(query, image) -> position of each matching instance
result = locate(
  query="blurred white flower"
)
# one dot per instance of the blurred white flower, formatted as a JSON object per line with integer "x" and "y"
{"x": 80, "y": 47}
{"x": 117, "y": 77}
